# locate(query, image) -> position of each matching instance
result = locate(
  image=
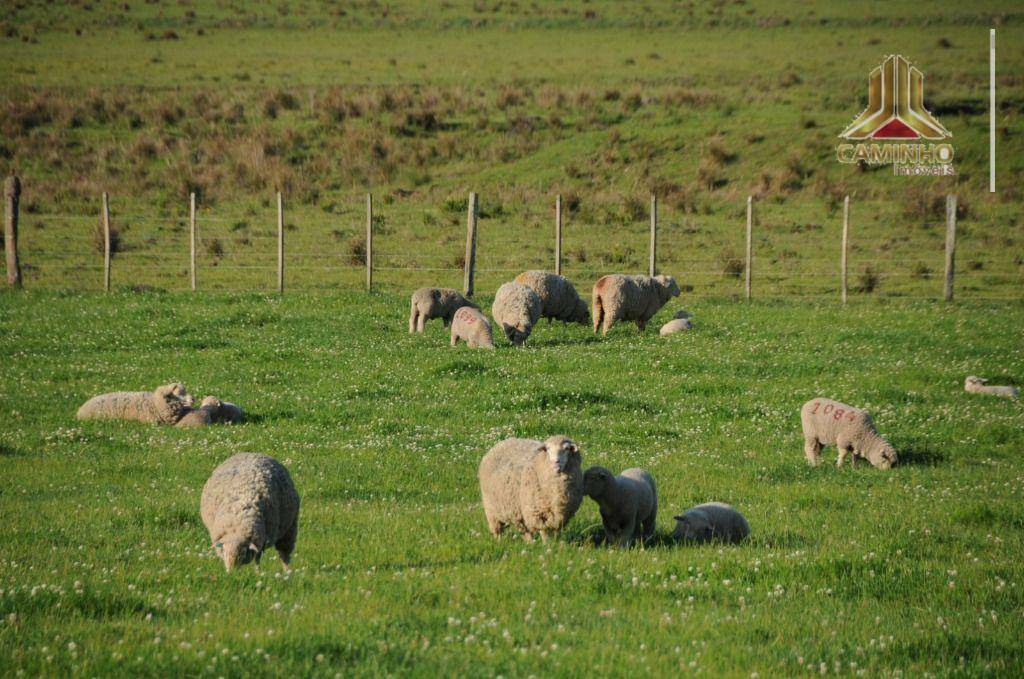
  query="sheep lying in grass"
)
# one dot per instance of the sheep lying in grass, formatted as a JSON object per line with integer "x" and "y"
{"x": 165, "y": 405}
{"x": 473, "y": 327}
{"x": 428, "y": 303}
{"x": 212, "y": 411}
{"x": 559, "y": 299}
{"x": 677, "y": 325}
{"x": 851, "y": 429}
{"x": 979, "y": 385}
{"x": 618, "y": 297}
{"x": 628, "y": 503}
{"x": 711, "y": 521}
{"x": 248, "y": 504}
{"x": 533, "y": 486}
{"x": 516, "y": 309}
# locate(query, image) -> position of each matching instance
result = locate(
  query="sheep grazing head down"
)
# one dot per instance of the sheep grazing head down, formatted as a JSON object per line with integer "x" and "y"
{"x": 693, "y": 525}
{"x": 883, "y": 457}
{"x": 562, "y": 454}
{"x": 236, "y": 551}
{"x": 517, "y": 334}
{"x": 581, "y": 314}
{"x": 669, "y": 286}
{"x": 596, "y": 481}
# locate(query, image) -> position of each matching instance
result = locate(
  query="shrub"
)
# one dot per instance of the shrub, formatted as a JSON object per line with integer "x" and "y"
{"x": 97, "y": 238}
{"x": 867, "y": 280}
{"x": 357, "y": 250}
{"x": 213, "y": 247}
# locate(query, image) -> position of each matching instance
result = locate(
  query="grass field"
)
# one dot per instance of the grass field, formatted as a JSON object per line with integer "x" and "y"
{"x": 106, "y": 567}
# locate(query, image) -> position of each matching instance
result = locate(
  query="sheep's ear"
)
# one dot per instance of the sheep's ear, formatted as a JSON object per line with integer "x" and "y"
{"x": 680, "y": 518}
{"x": 253, "y": 547}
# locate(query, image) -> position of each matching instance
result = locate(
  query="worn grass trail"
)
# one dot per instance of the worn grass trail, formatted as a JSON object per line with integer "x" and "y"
{"x": 106, "y": 567}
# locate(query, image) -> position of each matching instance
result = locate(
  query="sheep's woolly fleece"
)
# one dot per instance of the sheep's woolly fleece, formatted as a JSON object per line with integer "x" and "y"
{"x": 677, "y": 325}
{"x": 618, "y": 297}
{"x": 473, "y": 327}
{"x": 711, "y": 521}
{"x": 248, "y": 504}
{"x": 558, "y": 296}
{"x": 979, "y": 385}
{"x": 428, "y": 303}
{"x": 628, "y": 503}
{"x": 165, "y": 405}
{"x": 827, "y": 422}
{"x": 532, "y": 486}
{"x": 516, "y": 309}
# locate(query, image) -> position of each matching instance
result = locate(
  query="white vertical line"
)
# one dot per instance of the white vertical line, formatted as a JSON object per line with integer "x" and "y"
{"x": 992, "y": 111}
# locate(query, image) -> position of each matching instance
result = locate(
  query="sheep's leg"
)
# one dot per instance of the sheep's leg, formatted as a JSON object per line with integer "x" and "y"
{"x": 455, "y": 338}
{"x": 286, "y": 545}
{"x": 648, "y": 527}
{"x": 641, "y": 323}
{"x": 421, "y": 322}
{"x": 412, "y": 317}
{"x": 494, "y": 526}
{"x": 843, "y": 446}
{"x": 812, "y": 449}
{"x": 598, "y": 313}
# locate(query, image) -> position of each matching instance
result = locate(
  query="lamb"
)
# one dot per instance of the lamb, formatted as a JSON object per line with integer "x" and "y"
{"x": 979, "y": 385}
{"x": 618, "y": 297}
{"x": 473, "y": 327}
{"x": 674, "y": 326}
{"x": 559, "y": 298}
{"x": 248, "y": 504}
{"x": 628, "y": 503}
{"x": 212, "y": 410}
{"x": 516, "y": 309}
{"x": 440, "y": 303}
{"x": 533, "y": 486}
{"x": 711, "y": 521}
{"x": 165, "y": 405}
{"x": 826, "y": 421}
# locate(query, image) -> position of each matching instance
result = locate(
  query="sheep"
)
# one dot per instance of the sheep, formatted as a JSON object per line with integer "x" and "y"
{"x": 473, "y": 327}
{"x": 979, "y": 385}
{"x": 618, "y": 297}
{"x": 430, "y": 303}
{"x": 165, "y": 405}
{"x": 674, "y": 326}
{"x": 516, "y": 309}
{"x": 533, "y": 486}
{"x": 683, "y": 313}
{"x": 212, "y": 410}
{"x": 248, "y": 504}
{"x": 826, "y": 421}
{"x": 559, "y": 298}
{"x": 711, "y": 521}
{"x": 628, "y": 503}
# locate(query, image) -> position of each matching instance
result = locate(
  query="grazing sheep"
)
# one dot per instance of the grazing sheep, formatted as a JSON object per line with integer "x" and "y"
{"x": 558, "y": 297}
{"x": 430, "y": 303}
{"x": 979, "y": 385}
{"x": 516, "y": 309}
{"x": 473, "y": 327}
{"x": 618, "y": 297}
{"x": 628, "y": 503}
{"x": 678, "y": 325}
{"x": 248, "y": 504}
{"x": 711, "y": 521}
{"x": 533, "y": 486}
{"x": 165, "y": 405}
{"x": 826, "y": 421}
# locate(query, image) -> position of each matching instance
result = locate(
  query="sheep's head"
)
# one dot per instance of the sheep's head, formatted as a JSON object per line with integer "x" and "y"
{"x": 973, "y": 382}
{"x": 596, "y": 480}
{"x": 236, "y": 551}
{"x": 581, "y": 314}
{"x": 883, "y": 457}
{"x": 173, "y": 400}
{"x": 693, "y": 525}
{"x": 668, "y": 285}
{"x": 517, "y": 334}
{"x": 562, "y": 453}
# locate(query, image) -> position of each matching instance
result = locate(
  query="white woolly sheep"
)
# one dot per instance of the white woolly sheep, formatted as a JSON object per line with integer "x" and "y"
{"x": 248, "y": 504}
{"x": 674, "y": 326}
{"x": 428, "y": 303}
{"x": 618, "y": 297}
{"x": 201, "y": 416}
{"x": 979, "y": 385}
{"x": 628, "y": 503}
{"x": 559, "y": 299}
{"x": 533, "y": 486}
{"x": 711, "y": 521}
{"x": 516, "y": 309}
{"x": 165, "y": 405}
{"x": 851, "y": 429}
{"x": 473, "y": 327}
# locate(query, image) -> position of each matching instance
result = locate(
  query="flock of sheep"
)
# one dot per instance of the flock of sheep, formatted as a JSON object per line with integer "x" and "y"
{"x": 250, "y": 503}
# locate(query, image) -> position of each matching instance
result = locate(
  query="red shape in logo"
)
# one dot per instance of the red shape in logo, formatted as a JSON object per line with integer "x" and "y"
{"x": 895, "y": 129}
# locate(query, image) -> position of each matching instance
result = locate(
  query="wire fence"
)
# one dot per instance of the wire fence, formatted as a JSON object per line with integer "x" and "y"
{"x": 400, "y": 247}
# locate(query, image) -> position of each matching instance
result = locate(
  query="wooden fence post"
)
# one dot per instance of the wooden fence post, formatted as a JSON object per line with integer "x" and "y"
{"x": 369, "y": 242}
{"x": 106, "y": 242}
{"x": 843, "y": 252}
{"x": 558, "y": 234}
{"x": 653, "y": 266}
{"x": 280, "y": 243}
{"x": 192, "y": 238}
{"x": 750, "y": 242}
{"x": 947, "y": 292}
{"x": 12, "y": 195}
{"x": 470, "y": 266}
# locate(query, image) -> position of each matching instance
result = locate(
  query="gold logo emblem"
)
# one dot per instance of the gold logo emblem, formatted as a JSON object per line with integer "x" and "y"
{"x": 895, "y": 106}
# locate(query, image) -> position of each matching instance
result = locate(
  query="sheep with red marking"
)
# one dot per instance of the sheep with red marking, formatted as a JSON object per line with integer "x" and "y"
{"x": 473, "y": 328}
{"x": 851, "y": 430}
